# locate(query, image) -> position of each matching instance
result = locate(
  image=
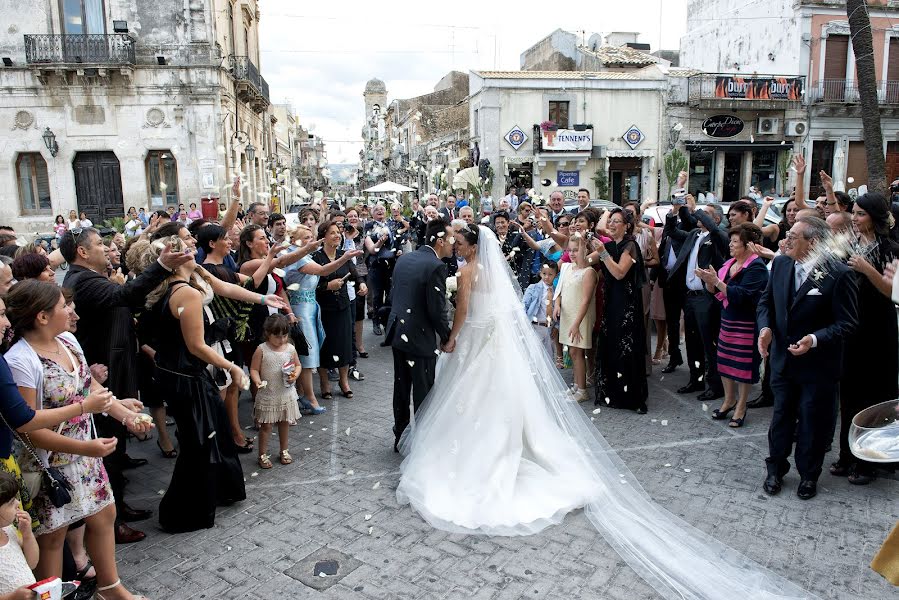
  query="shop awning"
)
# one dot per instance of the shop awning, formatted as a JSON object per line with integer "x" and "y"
{"x": 740, "y": 146}
{"x": 574, "y": 158}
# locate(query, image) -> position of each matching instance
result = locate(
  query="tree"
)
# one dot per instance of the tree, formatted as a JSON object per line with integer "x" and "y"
{"x": 863, "y": 47}
{"x": 675, "y": 162}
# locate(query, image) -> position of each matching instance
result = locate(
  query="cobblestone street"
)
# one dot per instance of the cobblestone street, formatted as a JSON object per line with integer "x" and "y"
{"x": 345, "y": 471}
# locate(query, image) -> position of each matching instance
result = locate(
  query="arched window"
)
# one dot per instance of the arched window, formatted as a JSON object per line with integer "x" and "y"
{"x": 34, "y": 184}
{"x": 162, "y": 179}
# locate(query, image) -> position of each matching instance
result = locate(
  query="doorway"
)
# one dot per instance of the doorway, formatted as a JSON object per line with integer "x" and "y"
{"x": 98, "y": 185}
{"x": 732, "y": 178}
{"x": 624, "y": 179}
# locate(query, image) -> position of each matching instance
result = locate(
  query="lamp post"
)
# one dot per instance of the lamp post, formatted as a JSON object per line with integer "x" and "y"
{"x": 50, "y": 142}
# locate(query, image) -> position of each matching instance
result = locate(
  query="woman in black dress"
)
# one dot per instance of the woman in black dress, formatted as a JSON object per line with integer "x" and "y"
{"x": 336, "y": 314}
{"x": 207, "y": 472}
{"x": 620, "y": 361}
{"x": 870, "y": 355}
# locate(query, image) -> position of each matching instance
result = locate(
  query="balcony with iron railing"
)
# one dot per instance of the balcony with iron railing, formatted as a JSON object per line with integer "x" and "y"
{"x": 251, "y": 86}
{"x": 845, "y": 91}
{"x": 116, "y": 49}
{"x": 734, "y": 91}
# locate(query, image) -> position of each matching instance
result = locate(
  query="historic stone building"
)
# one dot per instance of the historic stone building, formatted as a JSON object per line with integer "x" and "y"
{"x": 115, "y": 103}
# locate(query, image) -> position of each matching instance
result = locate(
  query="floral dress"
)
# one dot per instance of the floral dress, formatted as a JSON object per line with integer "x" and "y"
{"x": 91, "y": 491}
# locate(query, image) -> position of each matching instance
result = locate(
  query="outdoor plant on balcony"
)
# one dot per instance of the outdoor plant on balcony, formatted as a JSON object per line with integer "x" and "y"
{"x": 549, "y": 126}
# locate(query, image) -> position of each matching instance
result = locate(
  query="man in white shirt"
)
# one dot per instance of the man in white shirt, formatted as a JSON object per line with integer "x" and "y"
{"x": 511, "y": 198}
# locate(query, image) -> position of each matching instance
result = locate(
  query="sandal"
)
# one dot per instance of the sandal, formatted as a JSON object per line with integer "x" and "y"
{"x": 327, "y": 396}
{"x": 856, "y": 478}
{"x": 265, "y": 461}
{"x": 735, "y": 422}
{"x": 247, "y": 447}
{"x": 166, "y": 454}
{"x": 284, "y": 457}
{"x": 117, "y": 583}
{"x": 362, "y": 354}
{"x": 81, "y": 574}
{"x": 346, "y": 393}
{"x": 559, "y": 362}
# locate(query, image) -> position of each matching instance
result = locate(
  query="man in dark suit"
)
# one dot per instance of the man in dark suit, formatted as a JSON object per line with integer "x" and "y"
{"x": 450, "y": 212}
{"x": 418, "y": 320}
{"x": 704, "y": 245}
{"x": 674, "y": 291}
{"x": 107, "y": 336}
{"x": 804, "y": 315}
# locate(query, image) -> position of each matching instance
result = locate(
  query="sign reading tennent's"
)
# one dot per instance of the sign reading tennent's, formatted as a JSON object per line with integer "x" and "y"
{"x": 567, "y": 140}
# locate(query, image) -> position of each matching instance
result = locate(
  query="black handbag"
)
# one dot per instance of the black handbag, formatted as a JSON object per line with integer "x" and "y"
{"x": 299, "y": 340}
{"x": 53, "y": 483}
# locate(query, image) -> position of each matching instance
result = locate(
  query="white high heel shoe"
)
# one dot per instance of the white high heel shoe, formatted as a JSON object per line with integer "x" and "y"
{"x": 117, "y": 583}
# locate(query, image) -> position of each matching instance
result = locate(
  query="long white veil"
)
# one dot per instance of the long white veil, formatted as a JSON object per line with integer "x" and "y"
{"x": 678, "y": 560}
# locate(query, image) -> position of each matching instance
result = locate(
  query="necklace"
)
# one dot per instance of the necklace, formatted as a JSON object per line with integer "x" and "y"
{"x": 56, "y": 352}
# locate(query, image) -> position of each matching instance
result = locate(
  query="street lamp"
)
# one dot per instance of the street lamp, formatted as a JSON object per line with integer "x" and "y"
{"x": 50, "y": 142}
{"x": 250, "y": 151}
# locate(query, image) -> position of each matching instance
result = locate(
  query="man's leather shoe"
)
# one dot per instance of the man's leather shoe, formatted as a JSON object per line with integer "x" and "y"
{"x": 808, "y": 489}
{"x": 127, "y": 535}
{"x": 710, "y": 395}
{"x": 693, "y": 386}
{"x": 128, "y": 514}
{"x": 760, "y": 401}
{"x": 672, "y": 366}
{"x": 132, "y": 463}
{"x": 376, "y": 329}
{"x": 772, "y": 485}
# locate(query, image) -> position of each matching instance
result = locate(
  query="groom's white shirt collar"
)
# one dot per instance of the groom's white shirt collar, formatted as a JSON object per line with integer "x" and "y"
{"x": 431, "y": 248}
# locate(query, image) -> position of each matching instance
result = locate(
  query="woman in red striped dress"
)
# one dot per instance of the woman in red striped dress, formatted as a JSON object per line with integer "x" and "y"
{"x": 738, "y": 285}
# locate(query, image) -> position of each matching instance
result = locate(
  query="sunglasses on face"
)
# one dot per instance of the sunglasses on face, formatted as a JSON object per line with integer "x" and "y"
{"x": 564, "y": 223}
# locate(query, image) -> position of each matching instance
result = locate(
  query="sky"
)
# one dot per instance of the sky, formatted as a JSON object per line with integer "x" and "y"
{"x": 317, "y": 56}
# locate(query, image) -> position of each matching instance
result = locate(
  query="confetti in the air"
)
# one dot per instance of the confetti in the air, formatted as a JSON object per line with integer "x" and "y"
{"x": 376, "y": 485}
{"x": 664, "y": 422}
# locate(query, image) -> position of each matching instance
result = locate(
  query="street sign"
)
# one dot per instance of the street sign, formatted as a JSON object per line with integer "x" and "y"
{"x": 516, "y": 137}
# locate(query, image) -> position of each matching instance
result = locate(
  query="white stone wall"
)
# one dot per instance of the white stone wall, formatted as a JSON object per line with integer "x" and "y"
{"x": 612, "y": 107}
{"x": 736, "y": 36}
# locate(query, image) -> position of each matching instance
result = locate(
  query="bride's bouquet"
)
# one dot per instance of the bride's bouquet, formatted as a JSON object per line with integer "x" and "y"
{"x": 452, "y": 286}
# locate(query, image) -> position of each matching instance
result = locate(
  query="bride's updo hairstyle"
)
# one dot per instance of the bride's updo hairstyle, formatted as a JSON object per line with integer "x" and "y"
{"x": 471, "y": 234}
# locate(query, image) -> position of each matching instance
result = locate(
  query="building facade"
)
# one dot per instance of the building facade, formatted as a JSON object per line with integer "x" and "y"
{"x": 804, "y": 47}
{"x": 112, "y": 104}
{"x": 568, "y": 128}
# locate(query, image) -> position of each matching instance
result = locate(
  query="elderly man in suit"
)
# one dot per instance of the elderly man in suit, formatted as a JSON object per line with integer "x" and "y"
{"x": 702, "y": 244}
{"x": 418, "y": 321}
{"x": 804, "y": 315}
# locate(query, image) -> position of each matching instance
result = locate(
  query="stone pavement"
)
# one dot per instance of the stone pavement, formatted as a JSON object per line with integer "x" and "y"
{"x": 345, "y": 470}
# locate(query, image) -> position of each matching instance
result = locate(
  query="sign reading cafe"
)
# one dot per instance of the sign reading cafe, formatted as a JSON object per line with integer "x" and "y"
{"x": 722, "y": 126}
{"x": 567, "y": 140}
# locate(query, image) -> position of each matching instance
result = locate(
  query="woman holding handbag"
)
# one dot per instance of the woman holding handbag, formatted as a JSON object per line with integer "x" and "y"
{"x": 49, "y": 369}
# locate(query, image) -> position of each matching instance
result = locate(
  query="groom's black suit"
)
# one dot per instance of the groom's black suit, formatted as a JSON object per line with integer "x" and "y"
{"x": 417, "y": 321}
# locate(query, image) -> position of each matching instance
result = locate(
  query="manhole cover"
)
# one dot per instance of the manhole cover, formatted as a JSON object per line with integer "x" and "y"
{"x": 323, "y": 568}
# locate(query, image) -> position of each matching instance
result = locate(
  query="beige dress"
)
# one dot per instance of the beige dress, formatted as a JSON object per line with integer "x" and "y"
{"x": 571, "y": 284}
{"x": 275, "y": 402}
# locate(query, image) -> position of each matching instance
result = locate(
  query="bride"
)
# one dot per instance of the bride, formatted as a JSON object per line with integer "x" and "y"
{"x": 499, "y": 448}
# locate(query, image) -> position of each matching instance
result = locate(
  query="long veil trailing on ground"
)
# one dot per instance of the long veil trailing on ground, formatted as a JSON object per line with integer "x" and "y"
{"x": 510, "y": 373}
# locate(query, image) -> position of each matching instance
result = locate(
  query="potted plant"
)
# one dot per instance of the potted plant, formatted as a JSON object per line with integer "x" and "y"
{"x": 549, "y": 128}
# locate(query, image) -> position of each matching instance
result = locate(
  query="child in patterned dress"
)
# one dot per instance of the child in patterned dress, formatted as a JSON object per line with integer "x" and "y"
{"x": 274, "y": 371}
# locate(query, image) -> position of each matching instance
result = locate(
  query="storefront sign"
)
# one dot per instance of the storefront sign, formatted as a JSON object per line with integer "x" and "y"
{"x": 633, "y": 136}
{"x": 567, "y": 140}
{"x": 516, "y": 137}
{"x": 722, "y": 126}
{"x": 568, "y": 178}
{"x": 758, "y": 88}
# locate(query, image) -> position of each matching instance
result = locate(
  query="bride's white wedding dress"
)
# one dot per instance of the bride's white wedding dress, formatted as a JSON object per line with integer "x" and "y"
{"x": 499, "y": 448}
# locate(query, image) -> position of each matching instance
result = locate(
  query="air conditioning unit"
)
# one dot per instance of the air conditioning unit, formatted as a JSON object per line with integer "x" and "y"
{"x": 796, "y": 128}
{"x": 768, "y": 126}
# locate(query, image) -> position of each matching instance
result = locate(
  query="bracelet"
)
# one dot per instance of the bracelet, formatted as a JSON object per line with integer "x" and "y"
{"x": 604, "y": 255}
{"x": 261, "y": 299}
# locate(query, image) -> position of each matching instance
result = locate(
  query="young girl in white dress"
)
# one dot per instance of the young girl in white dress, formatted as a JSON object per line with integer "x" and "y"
{"x": 18, "y": 548}
{"x": 274, "y": 371}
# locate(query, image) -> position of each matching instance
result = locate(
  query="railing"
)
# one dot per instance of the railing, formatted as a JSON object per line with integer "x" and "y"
{"x": 845, "y": 91}
{"x": 243, "y": 69}
{"x": 97, "y": 49}
{"x": 264, "y": 89}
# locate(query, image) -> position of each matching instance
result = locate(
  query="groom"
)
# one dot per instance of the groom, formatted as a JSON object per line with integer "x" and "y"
{"x": 417, "y": 320}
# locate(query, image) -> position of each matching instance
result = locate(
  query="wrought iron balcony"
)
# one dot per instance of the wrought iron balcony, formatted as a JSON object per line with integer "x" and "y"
{"x": 251, "y": 86}
{"x": 845, "y": 91}
{"x": 79, "y": 49}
